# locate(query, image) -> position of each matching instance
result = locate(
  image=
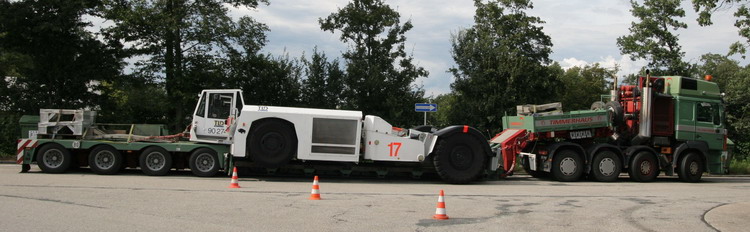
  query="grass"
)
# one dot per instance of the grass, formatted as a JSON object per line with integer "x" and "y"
{"x": 739, "y": 167}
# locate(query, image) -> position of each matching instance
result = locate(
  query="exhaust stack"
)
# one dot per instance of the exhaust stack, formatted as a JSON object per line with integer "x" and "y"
{"x": 644, "y": 128}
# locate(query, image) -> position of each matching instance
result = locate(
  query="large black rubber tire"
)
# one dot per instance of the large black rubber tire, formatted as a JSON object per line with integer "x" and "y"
{"x": 617, "y": 115}
{"x": 567, "y": 166}
{"x": 53, "y": 158}
{"x": 606, "y": 166}
{"x": 459, "y": 159}
{"x": 204, "y": 162}
{"x": 644, "y": 167}
{"x": 105, "y": 160}
{"x": 598, "y": 105}
{"x": 536, "y": 174}
{"x": 272, "y": 143}
{"x": 155, "y": 161}
{"x": 690, "y": 168}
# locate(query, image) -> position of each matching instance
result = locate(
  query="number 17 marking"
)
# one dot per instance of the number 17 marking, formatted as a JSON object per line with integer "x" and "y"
{"x": 391, "y": 145}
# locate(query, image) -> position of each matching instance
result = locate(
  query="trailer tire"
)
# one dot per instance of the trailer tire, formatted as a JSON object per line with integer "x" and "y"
{"x": 272, "y": 143}
{"x": 616, "y": 112}
{"x": 105, "y": 160}
{"x": 643, "y": 167}
{"x": 567, "y": 166}
{"x": 155, "y": 161}
{"x": 459, "y": 159}
{"x": 204, "y": 162}
{"x": 606, "y": 166}
{"x": 691, "y": 168}
{"x": 54, "y": 158}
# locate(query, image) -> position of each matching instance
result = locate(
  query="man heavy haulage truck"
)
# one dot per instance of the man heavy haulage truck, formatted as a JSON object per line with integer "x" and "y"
{"x": 225, "y": 132}
{"x": 670, "y": 124}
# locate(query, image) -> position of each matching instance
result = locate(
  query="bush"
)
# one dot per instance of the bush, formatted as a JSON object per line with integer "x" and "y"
{"x": 740, "y": 167}
{"x": 9, "y": 131}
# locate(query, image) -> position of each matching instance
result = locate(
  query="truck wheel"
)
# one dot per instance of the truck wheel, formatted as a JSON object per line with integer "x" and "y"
{"x": 691, "y": 168}
{"x": 105, "y": 160}
{"x": 606, "y": 166}
{"x": 272, "y": 144}
{"x": 459, "y": 159}
{"x": 567, "y": 166}
{"x": 204, "y": 162}
{"x": 643, "y": 168}
{"x": 155, "y": 161}
{"x": 527, "y": 168}
{"x": 598, "y": 105}
{"x": 54, "y": 158}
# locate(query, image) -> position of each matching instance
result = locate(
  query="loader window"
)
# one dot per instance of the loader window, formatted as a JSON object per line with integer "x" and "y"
{"x": 219, "y": 105}
{"x": 201, "y": 110}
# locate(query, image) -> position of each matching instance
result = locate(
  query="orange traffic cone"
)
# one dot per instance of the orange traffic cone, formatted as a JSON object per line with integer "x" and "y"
{"x": 315, "y": 193}
{"x": 440, "y": 210}
{"x": 234, "y": 183}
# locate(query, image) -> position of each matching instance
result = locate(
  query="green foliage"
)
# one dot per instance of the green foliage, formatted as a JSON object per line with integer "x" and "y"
{"x": 501, "y": 63}
{"x": 446, "y": 104}
{"x": 9, "y": 131}
{"x": 582, "y": 86}
{"x": 705, "y": 8}
{"x": 323, "y": 83}
{"x": 379, "y": 73}
{"x": 266, "y": 80}
{"x": 652, "y": 37}
{"x": 185, "y": 42}
{"x": 50, "y": 59}
{"x": 739, "y": 167}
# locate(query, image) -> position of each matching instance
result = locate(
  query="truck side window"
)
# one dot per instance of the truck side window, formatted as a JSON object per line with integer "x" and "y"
{"x": 717, "y": 117}
{"x": 705, "y": 112}
{"x": 219, "y": 105}
{"x": 201, "y": 111}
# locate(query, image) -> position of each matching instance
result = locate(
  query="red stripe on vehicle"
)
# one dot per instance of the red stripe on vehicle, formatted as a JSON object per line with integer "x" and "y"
{"x": 466, "y": 129}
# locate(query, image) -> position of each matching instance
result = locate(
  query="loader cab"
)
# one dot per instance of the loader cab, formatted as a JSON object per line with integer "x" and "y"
{"x": 215, "y": 114}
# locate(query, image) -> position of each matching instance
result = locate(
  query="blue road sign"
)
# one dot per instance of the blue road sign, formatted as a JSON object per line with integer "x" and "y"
{"x": 425, "y": 107}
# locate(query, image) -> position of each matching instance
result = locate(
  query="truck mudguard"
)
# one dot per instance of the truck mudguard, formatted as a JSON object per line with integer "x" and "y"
{"x": 700, "y": 146}
{"x": 448, "y": 131}
{"x": 557, "y": 146}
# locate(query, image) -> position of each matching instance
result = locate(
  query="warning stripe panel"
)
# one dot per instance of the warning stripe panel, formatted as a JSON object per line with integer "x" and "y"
{"x": 23, "y": 144}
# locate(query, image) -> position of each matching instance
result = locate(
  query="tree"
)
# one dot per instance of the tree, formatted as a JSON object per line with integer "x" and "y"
{"x": 706, "y": 8}
{"x": 266, "y": 80}
{"x": 48, "y": 58}
{"x": 181, "y": 37}
{"x": 379, "y": 73}
{"x": 500, "y": 63}
{"x": 652, "y": 39}
{"x": 583, "y": 86}
{"x": 323, "y": 83}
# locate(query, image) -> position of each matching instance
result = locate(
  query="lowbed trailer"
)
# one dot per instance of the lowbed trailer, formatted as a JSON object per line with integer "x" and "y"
{"x": 224, "y": 132}
{"x": 664, "y": 124}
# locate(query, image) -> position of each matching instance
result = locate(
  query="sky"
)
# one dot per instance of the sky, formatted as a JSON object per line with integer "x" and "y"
{"x": 582, "y": 31}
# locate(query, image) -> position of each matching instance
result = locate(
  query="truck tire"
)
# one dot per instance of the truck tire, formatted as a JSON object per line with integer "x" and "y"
{"x": 691, "y": 168}
{"x": 53, "y": 158}
{"x": 155, "y": 161}
{"x": 616, "y": 113}
{"x": 567, "y": 166}
{"x": 204, "y": 162}
{"x": 527, "y": 168}
{"x": 644, "y": 167}
{"x": 272, "y": 143}
{"x": 105, "y": 160}
{"x": 459, "y": 159}
{"x": 606, "y": 166}
{"x": 598, "y": 105}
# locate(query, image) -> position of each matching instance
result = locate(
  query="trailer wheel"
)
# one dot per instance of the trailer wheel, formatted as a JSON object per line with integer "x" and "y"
{"x": 567, "y": 166}
{"x": 606, "y": 166}
{"x": 54, "y": 158}
{"x": 459, "y": 159}
{"x": 155, "y": 161}
{"x": 204, "y": 162}
{"x": 272, "y": 143}
{"x": 105, "y": 160}
{"x": 644, "y": 167}
{"x": 691, "y": 168}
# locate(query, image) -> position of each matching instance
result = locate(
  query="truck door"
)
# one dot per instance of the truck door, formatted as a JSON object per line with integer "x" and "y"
{"x": 211, "y": 114}
{"x": 708, "y": 125}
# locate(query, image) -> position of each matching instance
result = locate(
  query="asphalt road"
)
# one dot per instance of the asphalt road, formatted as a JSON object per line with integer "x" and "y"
{"x": 83, "y": 201}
